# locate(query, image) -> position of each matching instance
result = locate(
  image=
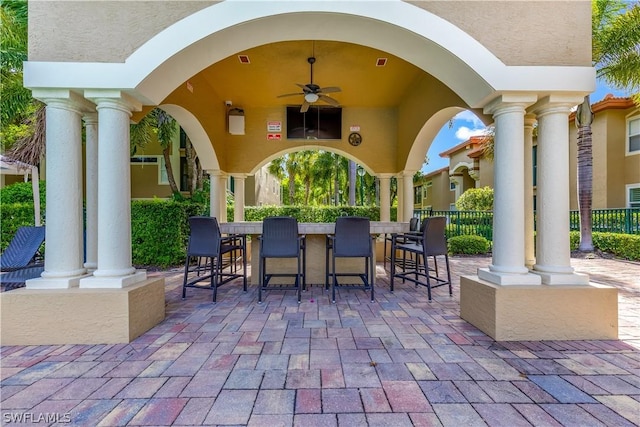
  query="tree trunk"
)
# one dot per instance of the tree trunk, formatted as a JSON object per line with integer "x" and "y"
{"x": 352, "y": 183}
{"x": 188, "y": 151}
{"x": 584, "y": 117}
{"x": 166, "y": 153}
{"x": 292, "y": 189}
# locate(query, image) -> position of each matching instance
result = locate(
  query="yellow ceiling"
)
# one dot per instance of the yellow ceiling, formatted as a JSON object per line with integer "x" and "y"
{"x": 275, "y": 68}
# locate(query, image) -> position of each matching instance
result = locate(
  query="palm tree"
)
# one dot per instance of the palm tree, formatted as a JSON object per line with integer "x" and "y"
{"x": 22, "y": 118}
{"x": 616, "y": 44}
{"x": 159, "y": 122}
{"x": 13, "y": 51}
{"x": 288, "y": 168}
{"x": 615, "y": 28}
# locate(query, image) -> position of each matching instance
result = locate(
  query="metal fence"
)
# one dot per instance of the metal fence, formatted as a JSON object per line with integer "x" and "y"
{"x": 625, "y": 221}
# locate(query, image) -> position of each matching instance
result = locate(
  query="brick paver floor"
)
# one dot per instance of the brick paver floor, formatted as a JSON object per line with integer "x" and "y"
{"x": 400, "y": 361}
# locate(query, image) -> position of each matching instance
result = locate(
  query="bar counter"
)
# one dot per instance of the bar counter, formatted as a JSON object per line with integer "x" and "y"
{"x": 316, "y": 241}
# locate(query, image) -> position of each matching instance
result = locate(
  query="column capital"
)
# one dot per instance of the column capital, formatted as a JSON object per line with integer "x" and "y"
{"x": 113, "y": 98}
{"x": 408, "y": 173}
{"x": 65, "y": 99}
{"x": 509, "y": 102}
{"x": 556, "y": 104}
{"x": 385, "y": 175}
{"x": 529, "y": 120}
{"x": 215, "y": 172}
{"x": 90, "y": 118}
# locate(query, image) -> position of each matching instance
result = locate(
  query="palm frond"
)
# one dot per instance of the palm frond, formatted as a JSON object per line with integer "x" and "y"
{"x": 31, "y": 148}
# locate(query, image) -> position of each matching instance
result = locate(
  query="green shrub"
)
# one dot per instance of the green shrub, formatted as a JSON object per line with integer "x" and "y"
{"x": 625, "y": 246}
{"x": 468, "y": 245}
{"x": 476, "y": 199}
{"x": 159, "y": 231}
{"x": 21, "y": 192}
{"x": 308, "y": 213}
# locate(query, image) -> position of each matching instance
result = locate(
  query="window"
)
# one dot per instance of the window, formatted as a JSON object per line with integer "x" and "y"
{"x": 139, "y": 160}
{"x": 417, "y": 195}
{"x": 452, "y": 186}
{"x": 633, "y": 135}
{"x": 633, "y": 196}
{"x": 162, "y": 173}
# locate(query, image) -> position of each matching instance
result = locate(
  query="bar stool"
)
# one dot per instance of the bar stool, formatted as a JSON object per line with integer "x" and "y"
{"x": 207, "y": 243}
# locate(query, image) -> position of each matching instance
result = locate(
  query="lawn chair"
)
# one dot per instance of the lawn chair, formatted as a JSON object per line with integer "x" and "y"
{"x": 18, "y": 262}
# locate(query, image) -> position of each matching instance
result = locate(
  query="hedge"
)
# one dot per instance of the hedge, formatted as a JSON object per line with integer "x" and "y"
{"x": 309, "y": 213}
{"x": 159, "y": 231}
{"x": 468, "y": 245}
{"x": 626, "y": 246}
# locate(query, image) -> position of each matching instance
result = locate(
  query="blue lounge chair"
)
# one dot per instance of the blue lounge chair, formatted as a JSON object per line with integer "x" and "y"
{"x": 18, "y": 262}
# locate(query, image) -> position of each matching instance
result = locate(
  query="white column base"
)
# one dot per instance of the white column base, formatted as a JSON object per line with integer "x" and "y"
{"x": 509, "y": 279}
{"x": 114, "y": 282}
{"x": 54, "y": 282}
{"x": 562, "y": 279}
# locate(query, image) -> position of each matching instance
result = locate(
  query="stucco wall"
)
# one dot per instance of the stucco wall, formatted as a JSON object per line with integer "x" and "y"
{"x": 242, "y": 153}
{"x": 99, "y": 31}
{"x": 518, "y": 32}
{"x": 524, "y": 32}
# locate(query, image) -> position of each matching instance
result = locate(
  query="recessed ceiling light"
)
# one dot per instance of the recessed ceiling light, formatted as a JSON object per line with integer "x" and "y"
{"x": 244, "y": 59}
{"x": 381, "y": 62}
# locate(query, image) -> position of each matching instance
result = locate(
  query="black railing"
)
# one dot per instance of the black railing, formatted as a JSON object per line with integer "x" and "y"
{"x": 625, "y": 221}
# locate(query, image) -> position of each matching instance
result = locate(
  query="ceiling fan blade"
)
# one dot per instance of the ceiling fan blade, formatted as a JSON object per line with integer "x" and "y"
{"x": 330, "y": 89}
{"x": 290, "y": 94}
{"x": 305, "y": 88}
{"x": 329, "y": 100}
{"x": 304, "y": 107}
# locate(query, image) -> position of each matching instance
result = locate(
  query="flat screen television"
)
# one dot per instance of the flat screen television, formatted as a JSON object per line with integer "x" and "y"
{"x": 319, "y": 122}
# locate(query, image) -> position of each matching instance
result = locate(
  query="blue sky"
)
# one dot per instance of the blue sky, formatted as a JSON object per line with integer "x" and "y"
{"x": 466, "y": 124}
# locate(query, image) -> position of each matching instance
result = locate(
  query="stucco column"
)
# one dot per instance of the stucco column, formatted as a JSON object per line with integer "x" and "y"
{"x": 529, "y": 234}
{"x": 115, "y": 269}
{"x": 400, "y": 196}
{"x": 91, "y": 195}
{"x": 215, "y": 209}
{"x": 63, "y": 262}
{"x": 407, "y": 198}
{"x": 553, "y": 254}
{"x": 385, "y": 196}
{"x": 222, "y": 196}
{"x": 507, "y": 266}
{"x": 238, "y": 196}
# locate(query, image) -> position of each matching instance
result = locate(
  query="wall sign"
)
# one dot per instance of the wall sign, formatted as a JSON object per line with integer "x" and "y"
{"x": 274, "y": 126}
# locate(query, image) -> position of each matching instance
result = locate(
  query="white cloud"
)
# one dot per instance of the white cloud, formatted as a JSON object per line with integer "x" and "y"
{"x": 470, "y": 117}
{"x": 463, "y": 133}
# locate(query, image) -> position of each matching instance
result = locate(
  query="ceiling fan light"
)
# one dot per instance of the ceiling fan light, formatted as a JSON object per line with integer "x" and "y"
{"x": 311, "y": 97}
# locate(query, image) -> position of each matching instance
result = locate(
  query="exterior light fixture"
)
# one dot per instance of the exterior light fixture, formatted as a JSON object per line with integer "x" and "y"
{"x": 311, "y": 97}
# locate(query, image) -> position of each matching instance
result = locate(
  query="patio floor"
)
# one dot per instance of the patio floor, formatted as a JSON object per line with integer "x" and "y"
{"x": 400, "y": 361}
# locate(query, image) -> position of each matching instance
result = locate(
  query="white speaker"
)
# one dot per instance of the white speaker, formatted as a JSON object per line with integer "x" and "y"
{"x": 236, "y": 121}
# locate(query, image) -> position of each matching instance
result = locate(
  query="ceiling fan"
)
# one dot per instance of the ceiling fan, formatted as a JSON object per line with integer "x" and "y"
{"x": 312, "y": 92}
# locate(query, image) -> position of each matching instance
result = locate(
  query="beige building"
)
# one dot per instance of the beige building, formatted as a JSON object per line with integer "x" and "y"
{"x": 616, "y": 154}
{"x": 396, "y": 70}
{"x": 616, "y": 163}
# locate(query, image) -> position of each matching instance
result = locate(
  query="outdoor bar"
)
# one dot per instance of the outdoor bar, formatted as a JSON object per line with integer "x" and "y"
{"x": 315, "y": 245}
